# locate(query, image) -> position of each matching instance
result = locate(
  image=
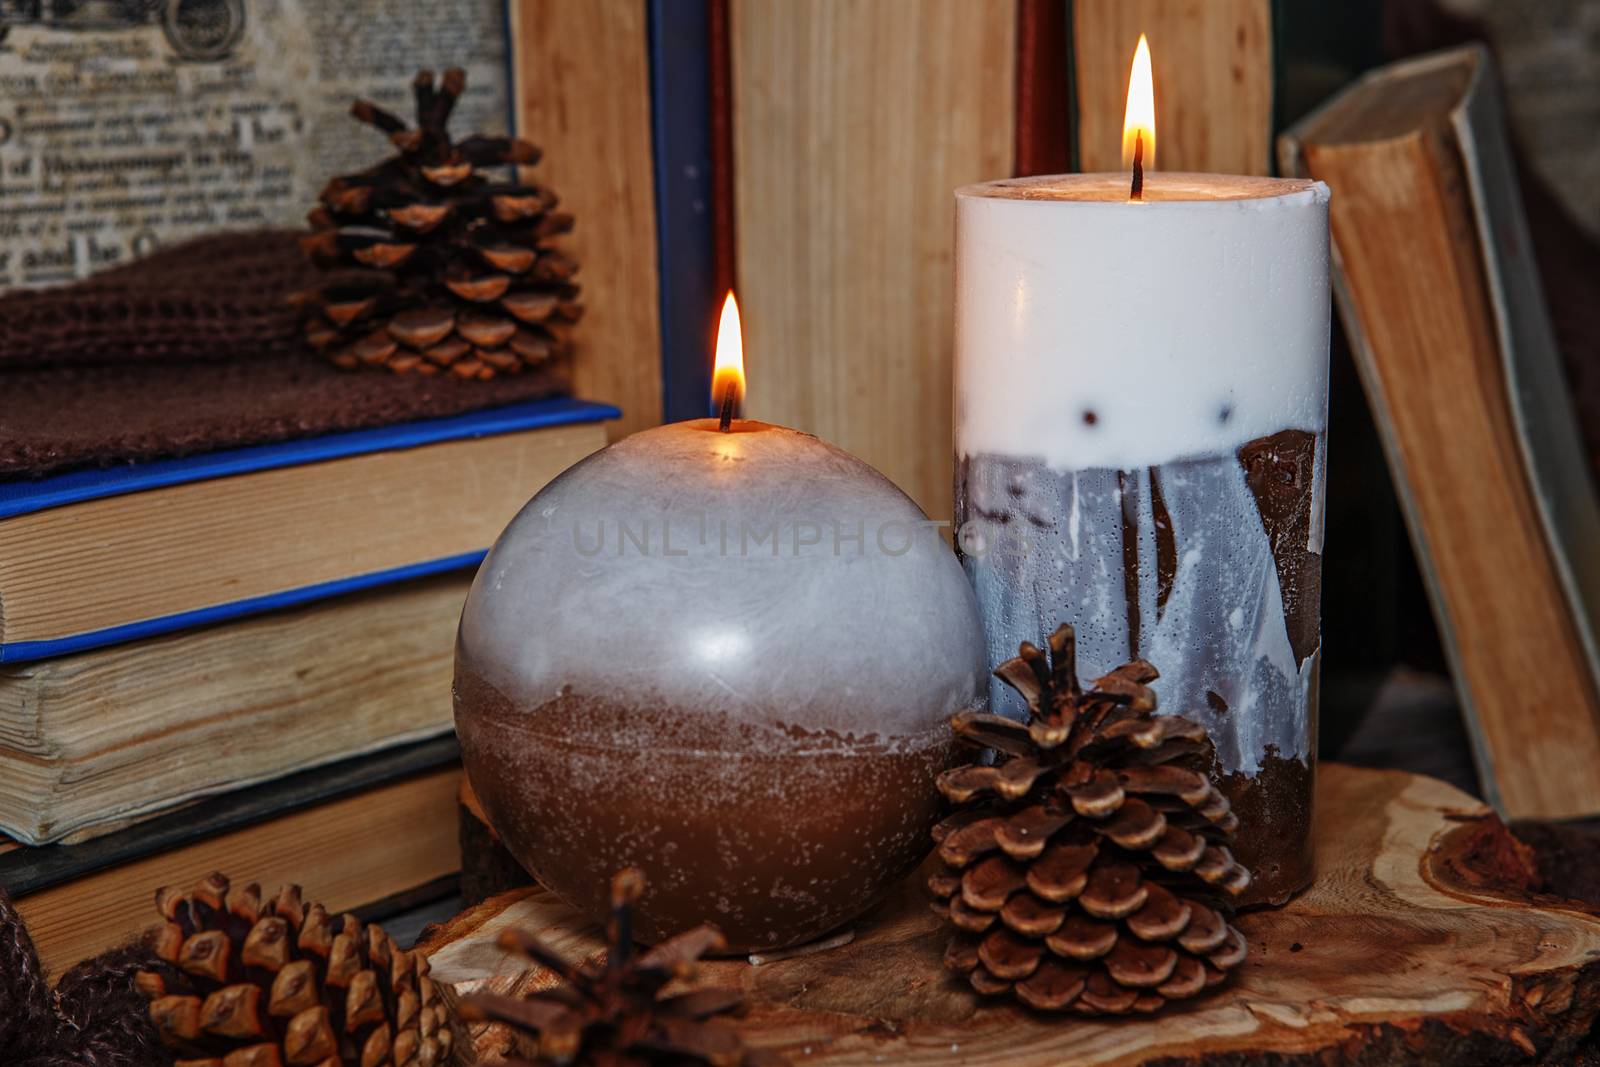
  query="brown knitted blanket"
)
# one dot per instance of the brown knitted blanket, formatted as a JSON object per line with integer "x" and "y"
{"x": 94, "y": 1017}
{"x": 193, "y": 349}
{"x": 219, "y": 297}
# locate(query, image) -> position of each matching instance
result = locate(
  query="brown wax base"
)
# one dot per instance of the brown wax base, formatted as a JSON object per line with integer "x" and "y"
{"x": 776, "y": 835}
{"x": 1274, "y": 839}
{"x": 487, "y": 867}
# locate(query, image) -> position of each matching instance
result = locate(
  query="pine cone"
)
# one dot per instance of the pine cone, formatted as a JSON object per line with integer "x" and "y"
{"x": 275, "y": 983}
{"x": 613, "y": 1013}
{"x": 1088, "y": 868}
{"x": 439, "y": 266}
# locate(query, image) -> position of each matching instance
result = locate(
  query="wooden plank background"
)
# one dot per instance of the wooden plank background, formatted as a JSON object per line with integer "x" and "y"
{"x": 853, "y": 122}
{"x": 583, "y": 95}
{"x": 1212, "y": 61}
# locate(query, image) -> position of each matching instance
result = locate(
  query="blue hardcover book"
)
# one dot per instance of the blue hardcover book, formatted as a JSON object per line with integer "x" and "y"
{"x": 97, "y": 557}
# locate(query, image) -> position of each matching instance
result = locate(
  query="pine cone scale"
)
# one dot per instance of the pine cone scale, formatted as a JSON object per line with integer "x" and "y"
{"x": 1032, "y": 917}
{"x": 1053, "y": 986}
{"x": 1062, "y": 871}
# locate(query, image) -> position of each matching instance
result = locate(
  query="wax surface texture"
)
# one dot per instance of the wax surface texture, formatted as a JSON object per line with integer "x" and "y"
{"x": 729, "y": 659}
{"x": 1140, "y": 427}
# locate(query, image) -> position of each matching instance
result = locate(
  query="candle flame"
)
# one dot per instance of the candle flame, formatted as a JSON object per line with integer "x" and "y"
{"x": 1139, "y": 120}
{"x": 729, "y": 367}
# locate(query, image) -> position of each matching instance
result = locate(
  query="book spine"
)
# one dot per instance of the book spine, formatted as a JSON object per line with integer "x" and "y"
{"x": 28, "y": 651}
{"x": 1045, "y": 104}
{"x": 680, "y": 90}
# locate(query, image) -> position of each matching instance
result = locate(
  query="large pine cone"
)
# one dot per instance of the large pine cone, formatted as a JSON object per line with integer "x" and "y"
{"x": 1088, "y": 868}
{"x": 277, "y": 983}
{"x": 440, "y": 267}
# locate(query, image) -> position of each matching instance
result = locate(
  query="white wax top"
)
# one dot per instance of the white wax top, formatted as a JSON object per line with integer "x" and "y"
{"x": 1092, "y": 331}
{"x": 760, "y": 574}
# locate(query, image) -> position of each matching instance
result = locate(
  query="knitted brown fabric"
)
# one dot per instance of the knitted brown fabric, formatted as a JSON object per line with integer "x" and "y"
{"x": 25, "y": 1012}
{"x": 221, "y": 297}
{"x": 193, "y": 349}
{"x": 94, "y": 1018}
{"x": 55, "y": 420}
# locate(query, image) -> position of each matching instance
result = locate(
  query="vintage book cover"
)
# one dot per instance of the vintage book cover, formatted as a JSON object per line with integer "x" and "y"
{"x": 94, "y": 741}
{"x": 1436, "y": 284}
{"x": 331, "y": 831}
{"x": 133, "y": 126}
{"x": 92, "y": 558}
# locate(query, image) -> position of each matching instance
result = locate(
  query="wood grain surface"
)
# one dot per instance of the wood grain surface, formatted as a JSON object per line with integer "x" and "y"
{"x": 582, "y": 93}
{"x": 1390, "y": 957}
{"x": 853, "y": 123}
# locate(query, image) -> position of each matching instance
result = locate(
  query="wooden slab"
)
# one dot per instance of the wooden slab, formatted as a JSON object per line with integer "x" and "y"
{"x": 1403, "y": 951}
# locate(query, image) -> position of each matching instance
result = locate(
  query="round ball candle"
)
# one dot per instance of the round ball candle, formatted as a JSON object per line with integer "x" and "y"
{"x": 729, "y": 658}
{"x": 1140, "y": 417}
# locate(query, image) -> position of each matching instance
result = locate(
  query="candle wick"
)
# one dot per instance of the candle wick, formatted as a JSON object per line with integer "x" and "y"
{"x": 1138, "y": 167}
{"x": 727, "y": 406}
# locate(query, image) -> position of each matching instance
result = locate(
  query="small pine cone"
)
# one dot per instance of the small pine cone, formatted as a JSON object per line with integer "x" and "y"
{"x": 1087, "y": 869}
{"x": 434, "y": 266}
{"x": 613, "y": 1012}
{"x": 278, "y": 983}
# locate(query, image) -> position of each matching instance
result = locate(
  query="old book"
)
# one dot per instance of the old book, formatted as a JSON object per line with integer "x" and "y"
{"x": 342, "y": 851}
{"x": 97, "y": 557}
{"x": 1439, "y": 292}
{"x": 93, "y": 741}
{"x": 851, "y": 125}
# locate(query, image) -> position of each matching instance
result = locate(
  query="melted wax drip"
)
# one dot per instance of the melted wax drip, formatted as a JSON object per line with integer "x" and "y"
{"x": 1217, "y": 584}
{"x": 1279, "y": 471}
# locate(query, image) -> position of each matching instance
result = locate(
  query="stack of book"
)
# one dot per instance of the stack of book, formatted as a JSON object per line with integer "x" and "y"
{"x": 242, "y": 660}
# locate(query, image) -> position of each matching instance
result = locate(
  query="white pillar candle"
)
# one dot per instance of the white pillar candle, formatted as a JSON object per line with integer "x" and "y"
{"x": 1140, "y": 416}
